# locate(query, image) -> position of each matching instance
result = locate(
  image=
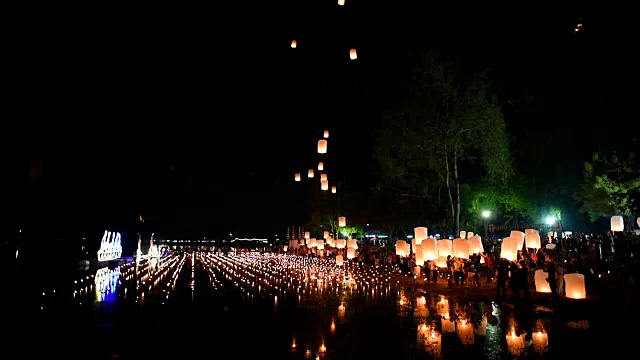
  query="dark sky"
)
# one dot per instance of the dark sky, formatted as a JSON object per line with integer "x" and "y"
{"x": 198, "y": 118}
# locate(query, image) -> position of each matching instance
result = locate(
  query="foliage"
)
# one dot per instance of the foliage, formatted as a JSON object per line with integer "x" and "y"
{"x": 449, "y": 132}
{"x": 611, "y": 186}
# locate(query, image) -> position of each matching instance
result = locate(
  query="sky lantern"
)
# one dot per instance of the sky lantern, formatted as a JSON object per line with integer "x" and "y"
{"x": 334, "y": 190}
{"x": 326, "y": 134}
{"x": 353, "y": 54}
{"x": 294, "y": 44}
{"x": 403, "y": 248}
{"x": 509, "y": 249}
{"x": 298, "y": 176}
{"x": 342, "y": 221}
{"x": 339, "y": 260}
{"x": 325, "y": 235}
{"x": 475, "y": 245}
{"x": 322, "y": 146}
{"x": 445, "y": 247}
{"x": 519, "y": 236}
{"x": 320, "y": 166}
{"x": 429, "y": 248}
{"x": 463, "y": 234}
{"x": 532, "y": 238}
{"x": 323, "y": 177}
{"x": 324, "y": 185}
{"x": 617, "y": 223}
{"x": 574, "y": 286}
{"x": 540, "y": 278}
{"x": 310, "y": 173}
{"x": 419, "y": 233}
{"x": 341, "y": 2}
{"x": 461, "y": 248}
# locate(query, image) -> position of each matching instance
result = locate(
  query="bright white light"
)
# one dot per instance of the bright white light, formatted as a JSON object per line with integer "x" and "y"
{"x": 110, "y": 247}
{"x": 486, "y": 214}
{"x": 550, "y": 220}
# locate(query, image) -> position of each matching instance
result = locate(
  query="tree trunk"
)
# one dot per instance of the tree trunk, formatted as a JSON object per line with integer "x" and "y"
{"x": 453, "y": 213}
{"x": 457, "y": 183}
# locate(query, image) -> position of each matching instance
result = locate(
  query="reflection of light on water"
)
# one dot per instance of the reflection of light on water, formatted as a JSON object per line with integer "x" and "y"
{"x": 540, "y": 341}
{"x": 106, "y": 281}
{"x": 429, "y": 340}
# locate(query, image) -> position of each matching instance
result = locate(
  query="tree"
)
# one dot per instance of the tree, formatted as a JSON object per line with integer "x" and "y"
{"x": 611, "y": 186}
{"x": 449, "y": 132}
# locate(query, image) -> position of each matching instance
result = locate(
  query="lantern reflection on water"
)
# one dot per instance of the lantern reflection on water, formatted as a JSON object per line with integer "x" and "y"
{"x": 430, "y": 340}
{"x": 481, "y": 330}
{"x": 106, "y": 281}
{"x": 448, "y": 326}
{"x": 465, "y": 332}
{"x": 515, "y": 344}
{"x": 540, "y": 341}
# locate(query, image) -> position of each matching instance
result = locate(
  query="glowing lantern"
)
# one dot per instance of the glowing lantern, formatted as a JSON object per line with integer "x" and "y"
{"x": 320, "y": 166}
{"x": 324, "y": 177}
{"x": 312, "y": 243}
{"x": 326, "y": 134}
{"x": 294, "y": 44}
{"x": 310, "y": 173}
{"x": 429, "y": 248}
{"x": 420, "y": 233}
{"x": 542, "y": 285}
{"x": 320, "y": 244}
{"x": 334, "y": 190}
{"x": 617, "y": 223}
{"x": 351, "y": 253}
{"x": 339, "y": 260}
{"x": 298, "y": 176}
{"x": 532, "y": 239}
{"x": 307, "y": 235}
{"x": 550, "y": 246}
{"x": 324, "y": 185}
{"x": 461, "y": 248}
{"x": 574, "y": 286}
{"x": 352, "y": 243}
{"x": 441, "y": 262}
{"x": 341, "y": 2}
{"x": 509, "y": 249}
{"x": 519, "y": 237}
{"x": 342, "y": 221}
{"x": 445, "y": 247}
{"x": 325, "y": 235}
{"x": 469, "y": 234}
{"x": 402, "y": 248}
{"x": 322, "y": 146}
{"x": 353, "y": 54}
{"x": 341, "y": 243}
{"x": 465, "y": 332}
{"x": 463, "y": 234}
{"x": 475, "y": 245}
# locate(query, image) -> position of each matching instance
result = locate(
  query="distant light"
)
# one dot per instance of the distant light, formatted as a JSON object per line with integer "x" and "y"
{"x": 550, "y": 220}
{"x": 486, "y": 214}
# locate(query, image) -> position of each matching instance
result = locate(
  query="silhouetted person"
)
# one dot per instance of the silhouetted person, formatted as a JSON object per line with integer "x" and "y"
{"x": 551, "y": 278}
{"x": 501, "y": 280}
{"x": 523, "y": 279}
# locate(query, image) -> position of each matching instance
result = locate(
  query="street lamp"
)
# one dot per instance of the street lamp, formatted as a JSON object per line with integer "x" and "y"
{"x": 485, "y": 215}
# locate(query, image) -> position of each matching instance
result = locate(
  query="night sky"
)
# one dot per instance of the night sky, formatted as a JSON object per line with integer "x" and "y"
{"x": 198, "y": 118}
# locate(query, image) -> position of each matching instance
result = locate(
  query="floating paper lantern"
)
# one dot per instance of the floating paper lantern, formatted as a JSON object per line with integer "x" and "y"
{"x": 540, "y": 279}
{"x": 307, "y": 235}
{"x": 461, "y": 248}
{"x": 352, "y": 243}
{"x": 550, "y": 246}
{"x": 509, "y": 249}
{"x": 574, "y": 286}
{"x": 294, "y": 44}
{"x": 334, "y": 190}
{"x": 322, "y": 146}
{"x": 420, "y": 233}
{"x": 310, "y": 173}
{"x": 320, "y": 244}
{"x": 463, "y": 234}
{"x": 339, "y": 260}
{"x": 298, "y": 177}
{"x": 429, "y": 249}
{"x": 469, "y": 234}
{"x": 341, "y": 2}
{"x": 475, "y": 245}
{"x": 353, "y": 54}
{"x": 285, "y": 248}
{"x": 293, "y": 244}
{"x": 519, "y": 237}
{"x": 402, "y": 248}
{"x": 325, "y": 235}
{"x": 532, "y": 239}
{"x": 419, "y": 256}
{"x": 441, "y": 262}
{"x": 320, "y": 166}
{"x": 351, "y": 253}
{"x": 342, "y": 221}
{"x": 617, "y": 223}
{"x": 312, "y": 243}
{"x": 341, "y": 243}
{"x": 445, "y": 247}
{"x": 324, "y": 185}
{"x": 326, "y": 134}
{"x": 324, "y": 177}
